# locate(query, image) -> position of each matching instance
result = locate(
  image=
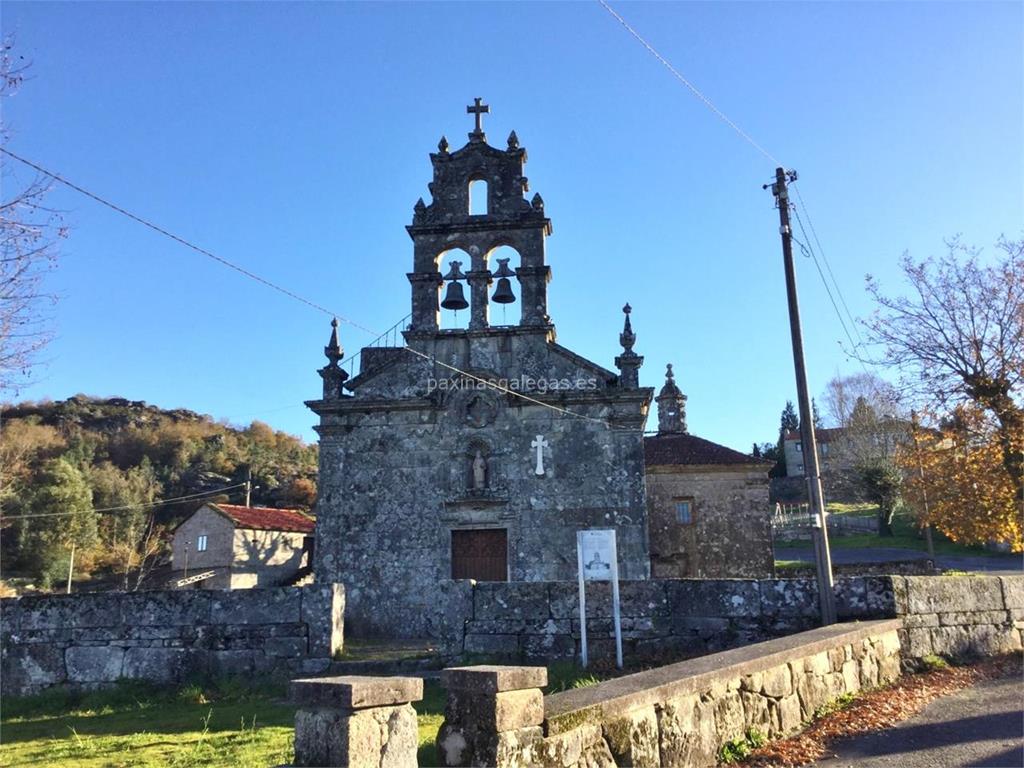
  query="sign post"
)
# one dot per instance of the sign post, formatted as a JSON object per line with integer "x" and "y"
{"x": 598, "y": 560}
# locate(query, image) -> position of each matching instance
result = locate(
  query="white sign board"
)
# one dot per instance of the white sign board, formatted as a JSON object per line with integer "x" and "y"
{"x": 598, "y": 548}
{"x": 598, "y": 560}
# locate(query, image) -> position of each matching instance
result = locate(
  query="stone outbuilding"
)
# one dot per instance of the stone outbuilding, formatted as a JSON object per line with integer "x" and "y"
{"x": 707, "y": 504}
{"x": 226, "y": 546}
{"x": 476, "y": 452}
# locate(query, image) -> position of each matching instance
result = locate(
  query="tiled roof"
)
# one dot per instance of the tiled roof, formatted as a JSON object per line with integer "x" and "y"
{"x": 267, "y": 518}
{"x": 668, "y": 449}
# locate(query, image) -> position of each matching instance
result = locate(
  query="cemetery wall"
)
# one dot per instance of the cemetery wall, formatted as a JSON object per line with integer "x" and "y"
{"x": 167, "y": 636}
{"x": 944, "y": 615}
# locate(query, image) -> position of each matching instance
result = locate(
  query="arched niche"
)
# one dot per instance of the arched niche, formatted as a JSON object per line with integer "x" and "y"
{"x": 478, "y": 458}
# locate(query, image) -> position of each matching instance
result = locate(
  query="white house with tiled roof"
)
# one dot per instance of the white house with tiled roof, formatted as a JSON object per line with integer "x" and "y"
{"x": 226, "y": 546}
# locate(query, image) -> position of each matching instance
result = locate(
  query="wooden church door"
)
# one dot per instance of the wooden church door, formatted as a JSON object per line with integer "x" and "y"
{"x": 480, "y": 554}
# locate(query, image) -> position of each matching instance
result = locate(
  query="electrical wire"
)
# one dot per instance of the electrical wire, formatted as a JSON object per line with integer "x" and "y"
{"x": 828, "y": 266}
{"x": 182, "y": 241}
{"x": 809, "y": 252}
{"x": 291, "y": 294}
{"x": 696, "y": 91}
{"x": 746, "y": 137}
{"x": 127, "y": 507}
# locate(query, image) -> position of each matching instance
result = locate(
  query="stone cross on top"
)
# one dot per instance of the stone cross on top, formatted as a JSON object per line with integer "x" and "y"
{"x": 478, "y": 110}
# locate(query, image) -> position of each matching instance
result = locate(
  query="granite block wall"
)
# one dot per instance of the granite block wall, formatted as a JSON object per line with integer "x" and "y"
{"x": 960, "y": 616}
{"x": 944, "y": 615}
{"x": 167, "y": 636}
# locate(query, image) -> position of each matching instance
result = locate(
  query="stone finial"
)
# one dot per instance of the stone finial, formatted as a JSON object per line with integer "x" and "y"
{"x": 333, "y": 350}
{"x": 628, "y": 362}
{"x": 671, "y": 406}
{"x": 627, "y": 338}
{"x": 334, "y": 377}
{"x": 420, "y": 206}
{"x": 442, "y": 145}
{"x": 513, "y": 141}
{"x": 537, "y": 202}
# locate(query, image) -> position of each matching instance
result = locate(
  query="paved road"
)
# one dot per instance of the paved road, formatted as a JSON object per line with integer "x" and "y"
{"x": 887, "y": 554}
{"x": 979, "y": 727}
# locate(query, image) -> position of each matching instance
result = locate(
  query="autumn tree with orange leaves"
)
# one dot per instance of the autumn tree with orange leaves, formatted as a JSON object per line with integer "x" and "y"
{"x": 956, "y": 480}
{"x": 957, "y": 338}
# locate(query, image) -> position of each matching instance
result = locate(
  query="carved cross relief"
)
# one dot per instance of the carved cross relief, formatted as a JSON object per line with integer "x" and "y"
{"x": 539, "y": 443}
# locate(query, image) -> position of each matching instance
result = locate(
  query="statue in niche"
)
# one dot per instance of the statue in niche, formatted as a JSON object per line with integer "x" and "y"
{"x": 479, "y": 472}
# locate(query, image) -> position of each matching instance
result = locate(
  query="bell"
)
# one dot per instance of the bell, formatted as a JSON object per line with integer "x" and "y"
{"x": 454, "y": 298}
{"x": 503, "y": 293}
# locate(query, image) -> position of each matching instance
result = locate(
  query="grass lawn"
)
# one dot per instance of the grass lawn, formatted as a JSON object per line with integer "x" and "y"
{"x": 139, "y": 724}
{"x": 906, "y": 535}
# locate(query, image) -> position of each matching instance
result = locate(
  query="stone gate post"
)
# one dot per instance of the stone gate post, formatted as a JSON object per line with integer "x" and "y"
{"x": 493, "y": 715}
{"x": 356, "y": 722}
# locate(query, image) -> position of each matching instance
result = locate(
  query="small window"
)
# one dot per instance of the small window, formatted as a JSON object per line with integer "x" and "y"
{"x": 799, "y": 447}
{"x": 824, "y": 449}
{"x": 799, "y": 467}
{"x": 201, "y": 543}
{"x": 684, "y": 512}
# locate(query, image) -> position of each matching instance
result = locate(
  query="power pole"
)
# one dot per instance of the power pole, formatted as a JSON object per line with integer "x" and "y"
{"x": 248, "y": 484}
{"x": 819, "y": 532}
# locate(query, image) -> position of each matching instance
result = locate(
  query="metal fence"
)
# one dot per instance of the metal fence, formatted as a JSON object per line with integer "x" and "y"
{"x": 795, "y": 521}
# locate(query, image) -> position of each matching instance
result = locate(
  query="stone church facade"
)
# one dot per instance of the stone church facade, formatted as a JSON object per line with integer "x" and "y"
{"x": 476, "y": 452}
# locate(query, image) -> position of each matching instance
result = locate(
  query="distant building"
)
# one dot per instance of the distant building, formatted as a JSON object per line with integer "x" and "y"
{"x": 225, "y": 546}
{"x": 707, "y": 505}
{"x": 829, "y": 451}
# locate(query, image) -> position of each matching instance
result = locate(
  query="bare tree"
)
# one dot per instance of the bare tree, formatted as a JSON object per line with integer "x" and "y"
{"x": 29, "y": 233}
{"x": 959, "y": 336}
{"x": 872, "y": 428}
{"x": 843, "y": 392}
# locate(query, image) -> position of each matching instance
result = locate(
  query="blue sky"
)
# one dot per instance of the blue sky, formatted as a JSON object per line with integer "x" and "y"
{"x": 293, "y": 139}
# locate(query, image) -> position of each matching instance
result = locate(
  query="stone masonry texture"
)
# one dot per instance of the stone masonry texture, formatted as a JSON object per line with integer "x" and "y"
{"x": 356, "y": 721}
{"x": 945, "y": 615}
{"x": 400, "y": 476}
{"x": 167, "y": 636}
{"x": 678, "y": 715}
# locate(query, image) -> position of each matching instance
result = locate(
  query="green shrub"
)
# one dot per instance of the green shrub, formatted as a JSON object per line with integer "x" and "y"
{"x": 835, "y": 705}
{"x": 740, "y": 748}
{"x": 932, "y": 662}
